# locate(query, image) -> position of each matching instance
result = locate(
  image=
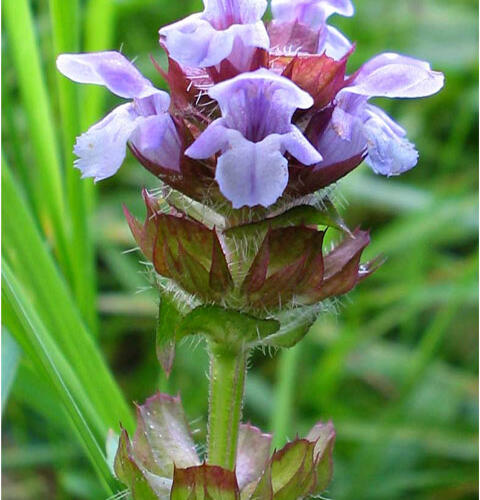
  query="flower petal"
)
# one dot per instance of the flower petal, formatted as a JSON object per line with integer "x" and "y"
{"x": 313, "y": 13}
{"x": 299, "y": 147}
{"x": 389, "y": 153}
{"x": 195, "y": 42}
{"x": 394, "y": 75}
{"x": 237, "y": 11}
{"x": 101, "y": 150}
{"x": 111, "y": 69}
{"x": 252, "y": 173}
{"x": 259, "y": 103}
{"x": 335, "y": 44}
{"x": 157, "y": 139}
{"x": 214, "y": 138}
{"x": 337, "y": 146}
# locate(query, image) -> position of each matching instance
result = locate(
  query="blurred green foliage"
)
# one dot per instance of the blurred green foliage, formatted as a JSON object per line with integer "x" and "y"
{"x": 395, "y": 367}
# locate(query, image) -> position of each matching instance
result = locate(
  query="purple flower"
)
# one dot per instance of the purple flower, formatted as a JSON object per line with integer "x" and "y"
{"x": 314, "y": 14}
{"x": 144, "y": 121}
{"x": 225, "y": 29}
{"x": 253, "y": 135}
{"x": 357, "y": 126}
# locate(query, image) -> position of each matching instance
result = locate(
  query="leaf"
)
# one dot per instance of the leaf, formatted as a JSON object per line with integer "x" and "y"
{"x": 169, "y": 317}
{"x": 324, "y": 437}
{"x": 225, "y": 326}
{"x": 252, "y": 454}
{"x": 130, "y": 473}
{"x": 163, "y": 438}
{"x": 33, "y": 267}
{"x": 305, "y": 215}
{"x": 292, "y": 470}
{"x": 11, "y": 353}
{"x": 204, "y": 482}
{"x": 38, "y": 344}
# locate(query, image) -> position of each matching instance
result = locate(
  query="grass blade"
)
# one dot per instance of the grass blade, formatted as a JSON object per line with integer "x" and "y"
{"x": 32, "y": 264}
{"x": 66, "y": 35}
{"x": 42, "y": 349}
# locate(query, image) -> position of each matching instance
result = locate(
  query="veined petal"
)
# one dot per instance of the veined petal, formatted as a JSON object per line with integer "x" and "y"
{"x": 157, "y": 139}
{"x": 251, "y": 173}
{"x": 389, "y": 153}
{"x": 110, "y": 69}
{"x": 299, "y": 147}
{"x": 313, "y": 13}
{"x": 235, "y": 11}
{"x": 259, "y": 103}
{"x": 202, "y": 40}
{"x": 101, "y": 150}
{"x": 195, "y": 42}
{"x": 394, "y": 75}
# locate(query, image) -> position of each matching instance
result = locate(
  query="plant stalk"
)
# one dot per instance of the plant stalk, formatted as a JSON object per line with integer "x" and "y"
{"x": 227, "y": 384}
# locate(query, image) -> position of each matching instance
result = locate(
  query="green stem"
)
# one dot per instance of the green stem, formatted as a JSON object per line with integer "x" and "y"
{"x": 284, "y": 395}
{"x": 227, "y": 384}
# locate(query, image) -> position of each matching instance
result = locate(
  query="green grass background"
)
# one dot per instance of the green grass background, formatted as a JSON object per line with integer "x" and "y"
{"x": 395, "y": 367}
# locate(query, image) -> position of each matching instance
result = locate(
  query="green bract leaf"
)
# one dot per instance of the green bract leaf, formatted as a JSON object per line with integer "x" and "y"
{"x": 129, "y": 472}
{"x": 252, "y": 454}
{"x": 162, "y": 437}
{"x": 301, "y": 468}
{"x": 226, "y": 326}
{"x": 303, "y": 215}
{"x": 169, "y": 317}
{"x": 324, "y": 437}
{"x": 204, "y": 482}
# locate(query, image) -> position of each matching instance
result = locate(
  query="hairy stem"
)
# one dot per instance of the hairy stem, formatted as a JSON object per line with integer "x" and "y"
{"x": 227, "y": 384}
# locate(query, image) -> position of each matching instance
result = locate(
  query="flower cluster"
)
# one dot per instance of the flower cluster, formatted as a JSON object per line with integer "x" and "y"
{"x": 260, "y": 118}
{"x": 265, "y": 111}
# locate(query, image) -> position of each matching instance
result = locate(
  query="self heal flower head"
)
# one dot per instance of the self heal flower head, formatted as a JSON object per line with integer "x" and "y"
{"x": 225, "y": 26}
{"x": 312, "y": 17}
{"x": 253, "y": 135}
{"x": 357, "y": 126}
{"x": 144, "y": 121}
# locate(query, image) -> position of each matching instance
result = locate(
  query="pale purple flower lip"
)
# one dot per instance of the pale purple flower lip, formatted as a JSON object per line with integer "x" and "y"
{"x": 314, "y": 14}
{"x": 206, "y": 39}
{"x": 253, "y": 135}
{"x": 145, "y": 121}
{"x": 357, "y": 125}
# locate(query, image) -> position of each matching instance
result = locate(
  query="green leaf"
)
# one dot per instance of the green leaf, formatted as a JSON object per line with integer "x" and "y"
{"x": 293, "y": 470}
{"x": 11, "y": 353}
{"x": 130, "y": 473}
{"x": 163, "y": 437}
{"x": 34, "y": 268}
{"x": 225, "y": 326}
{"x": 37, "y": 343}
{"x": 323, "y": 435}
{"x": 47, "y": 179}
{"x": 169, "y": 317}
{"x": 204, "y": 482}
{"x": 302, "y": 215}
